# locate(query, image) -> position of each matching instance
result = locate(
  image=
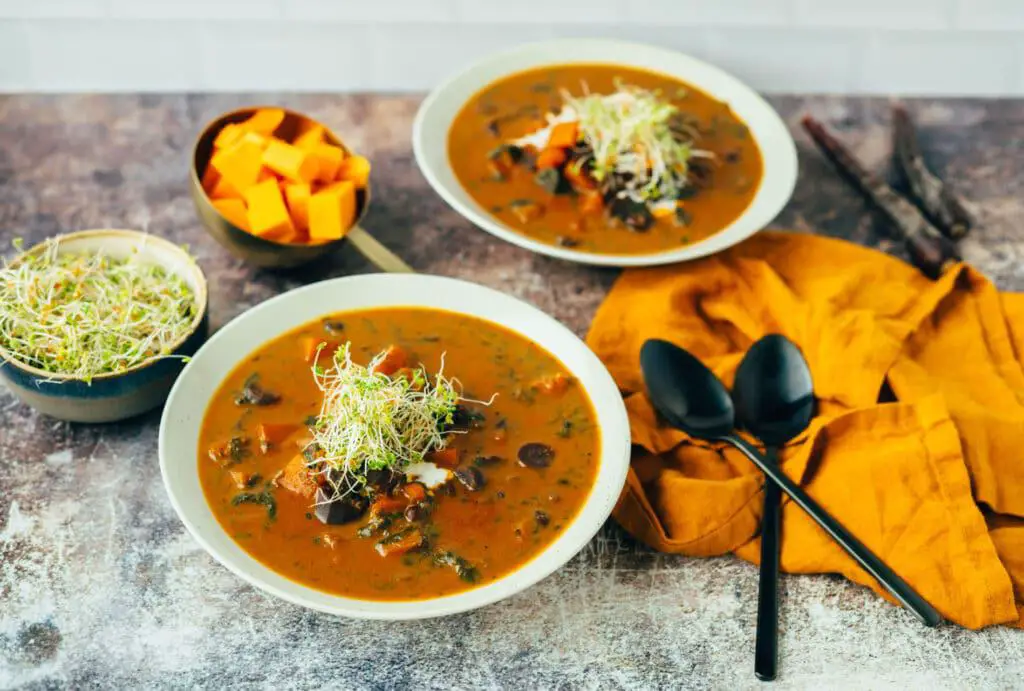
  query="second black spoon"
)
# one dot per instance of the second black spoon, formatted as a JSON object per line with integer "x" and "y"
{"x": 690, "y": 397}
{"x": 774, "y": 399}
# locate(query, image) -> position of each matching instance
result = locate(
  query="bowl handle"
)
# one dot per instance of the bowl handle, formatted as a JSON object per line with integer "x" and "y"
{"x": 376, "y": 253}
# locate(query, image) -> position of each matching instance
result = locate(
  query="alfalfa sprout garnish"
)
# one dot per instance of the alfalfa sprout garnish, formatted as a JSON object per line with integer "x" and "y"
{"x": 81, "y": 315}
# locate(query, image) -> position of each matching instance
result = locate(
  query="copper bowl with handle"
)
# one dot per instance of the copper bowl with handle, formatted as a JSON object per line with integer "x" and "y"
{"x": 269, "y": 253}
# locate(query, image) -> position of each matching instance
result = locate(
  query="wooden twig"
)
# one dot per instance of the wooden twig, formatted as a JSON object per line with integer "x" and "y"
{"x": 929, "y": 250}
{"x": 936, "y": 199}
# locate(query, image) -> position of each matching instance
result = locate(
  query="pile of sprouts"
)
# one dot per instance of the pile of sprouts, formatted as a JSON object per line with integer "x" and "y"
{"x": 83, "y": 315}
{"x": 638, "y": 135}
{"x": 370, "y": 421}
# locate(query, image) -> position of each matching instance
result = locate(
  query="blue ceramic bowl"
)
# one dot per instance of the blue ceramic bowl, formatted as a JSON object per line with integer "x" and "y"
{"x": 110, "y": 397}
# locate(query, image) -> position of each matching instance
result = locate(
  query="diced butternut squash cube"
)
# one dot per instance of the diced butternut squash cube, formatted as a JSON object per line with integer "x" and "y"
{"x": 264, "y": 121}
{"x": 297, "y": 195}
{"x": 290, "y": 162}
{"x": 255, "y": 138}
{"x": 210, "y": 179}
{"x": 228, "y": 135}
{"x": 563, "y": 135}
{"x": 332, "y": 212}
{"x": 272, "y": 434}
{"x": 224, "y": 190}
{"x": 298, "y": 478}
{"x": 268, "y": 216}
{"x": 309, "y": 137}
{"x": 329, "y": 160}
{"x": 356, "y": 169}
{"x": 311, "y": 346}
{"x": 239, "y": 165}
{"x": 394, "y": 359}
{"x": 234, "y": 211}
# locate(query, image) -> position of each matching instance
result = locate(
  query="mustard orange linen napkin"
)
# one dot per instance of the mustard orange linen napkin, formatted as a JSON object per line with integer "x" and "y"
{"x": 918, "y": 446}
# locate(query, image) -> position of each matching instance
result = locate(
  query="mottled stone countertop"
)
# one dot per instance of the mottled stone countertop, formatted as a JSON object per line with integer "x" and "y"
{"x": 102, "y": 587}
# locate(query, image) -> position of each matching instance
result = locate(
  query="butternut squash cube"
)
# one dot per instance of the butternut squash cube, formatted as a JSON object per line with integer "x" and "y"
{"x": 228, "y": 135}
{"x": 256, "y": 138}
{"x": 309, "y": 137}
{"x": 329, "y": 160}
{"x": 234, "y": 211}
{"x": 290, "y": 162}
{"x": 264, "y": 121}
{"x": 356, "y": 169}
{"x": 267, "y": 214}
{"x": 332, "y": 212}
{"x": 239, "y": 164}
{"x": 297, "y": 194}
{"x": 224, "y": 190}
{"x": 298, "y": 478}
{"x": 210, "y": 179}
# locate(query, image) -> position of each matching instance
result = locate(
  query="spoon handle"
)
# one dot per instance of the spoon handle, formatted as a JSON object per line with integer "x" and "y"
{"x": 766, "y": 644}
{"x": 899, "y": 588}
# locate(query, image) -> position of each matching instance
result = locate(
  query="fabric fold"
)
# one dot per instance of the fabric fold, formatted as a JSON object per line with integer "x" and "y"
{"x": 906, "y": 477}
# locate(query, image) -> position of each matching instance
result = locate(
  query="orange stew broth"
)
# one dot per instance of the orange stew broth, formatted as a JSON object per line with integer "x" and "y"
{"x": 511, "y": 106}
{"x": 495, "y": 529}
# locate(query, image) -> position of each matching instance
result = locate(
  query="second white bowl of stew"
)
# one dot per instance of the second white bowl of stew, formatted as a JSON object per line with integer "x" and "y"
{"x": 606, "y": 152}
{"x": 394, "y": 446}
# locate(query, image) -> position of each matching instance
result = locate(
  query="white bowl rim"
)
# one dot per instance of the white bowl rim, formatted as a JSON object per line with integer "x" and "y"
{"x": 178, "y": 441}
{"x": 135, "y": 238}
{"x": 778, "y": 150}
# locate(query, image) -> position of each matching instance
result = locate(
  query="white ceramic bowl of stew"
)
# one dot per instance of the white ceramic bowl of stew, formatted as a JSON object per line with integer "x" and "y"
{"x": 442, "y": 107}
{"x": 183, "y": 415}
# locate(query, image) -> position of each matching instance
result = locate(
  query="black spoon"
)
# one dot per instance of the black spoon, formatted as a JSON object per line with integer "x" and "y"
{"x": 774, "y": 399}
{"x": 691, "y": 398}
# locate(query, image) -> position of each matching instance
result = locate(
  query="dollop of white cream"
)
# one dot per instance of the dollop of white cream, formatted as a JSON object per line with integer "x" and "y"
{"x": 539, "y": 138}
{"x": 428, "y": 473}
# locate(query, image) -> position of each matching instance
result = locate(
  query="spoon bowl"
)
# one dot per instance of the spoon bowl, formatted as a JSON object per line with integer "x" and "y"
{"x": 773, "y": 392}
{"x": 685, "y": 392}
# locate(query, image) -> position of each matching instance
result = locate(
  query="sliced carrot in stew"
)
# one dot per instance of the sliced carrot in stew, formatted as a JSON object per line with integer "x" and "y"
{"x": 551, "y": 158}
{"x": 297, "y": 477}
{"x": 400, "y": 544}
{"x": 310, "y": 346}
{"x": 388, "y": 505}
{"x": 395, "y": 358}
{"x": 563, "y": 136}
{"x": 446, "y": 458}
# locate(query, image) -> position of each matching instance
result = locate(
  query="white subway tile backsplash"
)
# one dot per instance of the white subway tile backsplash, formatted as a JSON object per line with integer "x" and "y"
{"x": 878, "y": 14}
{"x": 709, "y": 12}
{"x": 565, "y": 12}
{"x": 787, "y": 59}
{"x": 690, "y": 40}
{"x": 15, "y": 62}
{"x": 90, "y": 55}
{"x": 977, "y": 63}
{"x": 910, "y": 46}
{"x": 990, "y": 14}
{"x": 52, "y": 9}
{"x": 372, "y": 10}
{"x": 290, "y": 56}
{"x": 195, "y": 9}
{"x": 411, "y": 57}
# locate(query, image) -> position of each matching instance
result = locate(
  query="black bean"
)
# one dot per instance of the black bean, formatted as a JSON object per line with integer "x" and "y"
{"x": 542, "y": 518}
{"x": 342, "y": 510}
{"x": 470, "y": 477}
{"x": 485, "y": 461}
{"x": 535, "y": 455}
